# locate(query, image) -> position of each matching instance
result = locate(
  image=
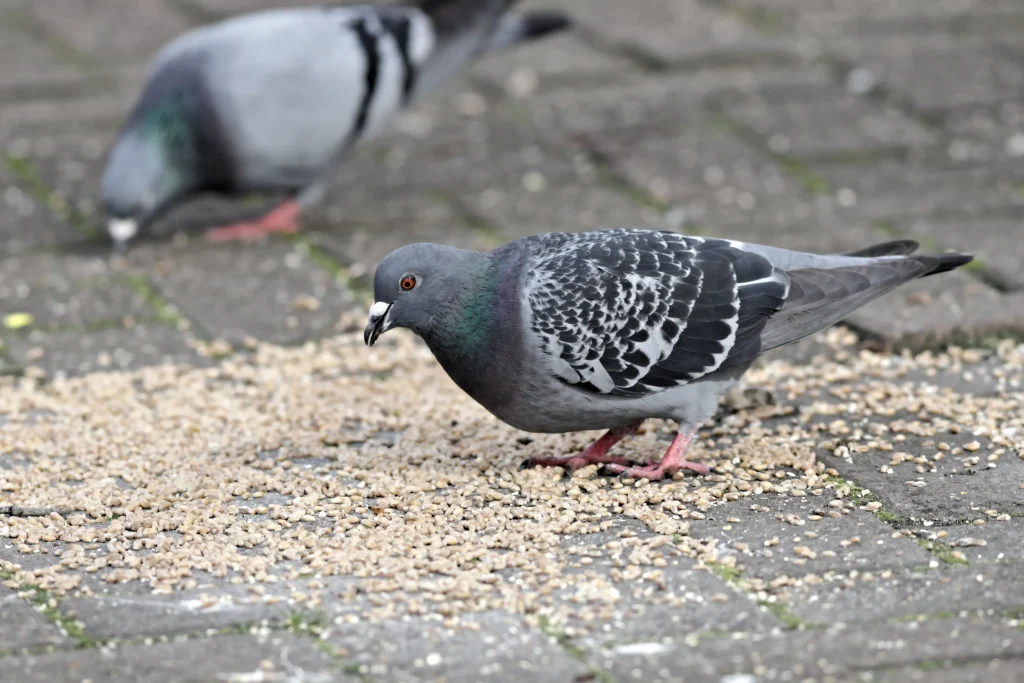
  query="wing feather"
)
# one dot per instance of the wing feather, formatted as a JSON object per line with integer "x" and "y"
{"x": 634, "y": 312}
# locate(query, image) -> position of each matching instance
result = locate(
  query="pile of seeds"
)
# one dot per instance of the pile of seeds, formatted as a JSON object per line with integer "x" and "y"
{"x": 367, "y": 475}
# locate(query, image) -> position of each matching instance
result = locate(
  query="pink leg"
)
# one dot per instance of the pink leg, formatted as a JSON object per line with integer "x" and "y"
{"x": 670, "y": 463}
{"x": 282, "y": 219}
{"x": 595, "y": 453}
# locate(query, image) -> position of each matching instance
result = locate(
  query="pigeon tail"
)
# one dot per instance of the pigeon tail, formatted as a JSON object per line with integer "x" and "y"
{"x": 452, "y": 18}
{"x": 947, "y": 262}
{"x": 466, "y": 30}
{"x": 893, "y": 248}
{"x": 523, "y": 28}
{"x": 821, "y": 297}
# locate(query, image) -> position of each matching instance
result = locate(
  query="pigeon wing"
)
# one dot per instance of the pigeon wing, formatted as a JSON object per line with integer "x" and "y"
{"x": 634, "y": 312}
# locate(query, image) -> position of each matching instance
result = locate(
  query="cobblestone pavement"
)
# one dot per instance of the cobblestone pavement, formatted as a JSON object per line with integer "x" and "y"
{"x": 817, "y": 124}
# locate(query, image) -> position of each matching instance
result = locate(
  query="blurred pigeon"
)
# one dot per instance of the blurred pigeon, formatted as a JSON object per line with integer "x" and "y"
{"x": 271, "y": 100}
{"x": 601, "y": 330}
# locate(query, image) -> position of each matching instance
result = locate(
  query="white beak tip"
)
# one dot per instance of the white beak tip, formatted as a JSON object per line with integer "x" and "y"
{"x": 378, "y": 309}
{"x": 122, "y": 229}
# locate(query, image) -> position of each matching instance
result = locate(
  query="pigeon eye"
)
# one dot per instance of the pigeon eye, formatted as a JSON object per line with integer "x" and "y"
{"x": 407, "y": 283}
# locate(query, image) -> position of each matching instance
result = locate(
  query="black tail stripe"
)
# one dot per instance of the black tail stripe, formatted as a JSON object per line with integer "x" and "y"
{"x": 399, "y": 27}
{"x": 368, "y": 41}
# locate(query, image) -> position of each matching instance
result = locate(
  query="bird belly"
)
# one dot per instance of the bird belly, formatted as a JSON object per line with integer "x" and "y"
{"x": 553, "y": 407}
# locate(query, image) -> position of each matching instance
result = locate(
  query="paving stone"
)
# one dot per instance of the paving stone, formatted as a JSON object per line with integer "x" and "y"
{"x": 24, "y": 222}
{"x": 834, "y": 654}
{"x": 81, "y": 351}
{"x": 46, "y": 118}
{"x": 834, "y": 125}
{"x": 270, "y": 291}
{"x": 23, "y": 626}
{"x": 672, "y": 101}
{"x": 824, "y": 544}
{"x": 891, "y": 190}
{"x": 937, "y": 73}
{"x": 61, "y": 303}
{"x": 7, "y": 366}
{"x": 821, "y": 233}
{"x": 681, "y": 31}
{"x": 563, "y": 60}
{"x": 86, "y": 26}
{"x": 830, "y": 19}
{"x": 482, "y": 156}
{"x": 954, "y": 492}
{"x": 130, "y": 611}
{"x": 992, "y": 590}
{"x": 230, "y": 658}
{"x": 360, "y": 233}
{"x": 993, "y": 541}
{"x": 706, "y": 605}
{"x": 1010, "y": 671}
{"x": 681, "y": 602}
{"x": 505, "y": 648}
{"x": 29, "y": 66}
{"x": 551, "y": 206}
{"x": 68, "y": 167}
{"x": 27, "y": 561}
{"x": 710, "y": 177}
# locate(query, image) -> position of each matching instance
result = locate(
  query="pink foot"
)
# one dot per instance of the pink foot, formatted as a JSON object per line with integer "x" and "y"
{"x": 671, "y": 462}
{"x": 594, "y": 454}
{"x": 283, "y": 219}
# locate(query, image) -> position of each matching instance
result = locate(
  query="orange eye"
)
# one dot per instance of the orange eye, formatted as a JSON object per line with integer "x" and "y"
{"x": 407, "y": 282}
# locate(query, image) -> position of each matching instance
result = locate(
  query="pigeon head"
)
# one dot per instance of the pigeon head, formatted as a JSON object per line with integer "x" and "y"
{"x": 161, "y": 155}
{"x": 423, "y": 287}
{"x": 141, "y": 178}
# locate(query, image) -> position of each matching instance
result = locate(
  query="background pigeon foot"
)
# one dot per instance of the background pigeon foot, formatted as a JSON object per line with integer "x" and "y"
{"x": 283, "y": 219}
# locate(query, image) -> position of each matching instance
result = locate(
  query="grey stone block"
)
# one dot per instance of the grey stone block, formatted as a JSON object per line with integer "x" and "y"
{"x": 681, "y": 31}
{"x": 23, "y": 626}
{"x": 989, "y": 590}
{"x": 78, "y": 352}
{"x": 225, "y": 658}
{"x": 765, "y": 543}
{"x": 131, "y": 611}
{"x": 953, "y": 489}
{"x": 840, "y": 653}
{"x": 504, "y": 648}
{"x": 832, "y": 125}
{"x": 86, "y": 26}
{"x": 268, "y": 290}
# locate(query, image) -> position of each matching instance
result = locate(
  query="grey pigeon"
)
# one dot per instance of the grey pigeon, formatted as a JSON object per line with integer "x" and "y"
{"x": 271, "y": 100}
{"x": 601, "y": 330}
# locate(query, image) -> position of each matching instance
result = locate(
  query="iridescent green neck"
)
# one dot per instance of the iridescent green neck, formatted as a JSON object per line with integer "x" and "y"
{"x": 464, "y": 322}
{"x": 475, "y": 319}
{"x": 167, "y": 125}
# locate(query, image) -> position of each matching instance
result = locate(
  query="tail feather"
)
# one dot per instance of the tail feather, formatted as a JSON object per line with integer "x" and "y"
{"x": 465, "y": 30}
{"x": 893, "y": 248}
{"x": 821, "y": 297}
{"x": 522, "y": 28}
{"x": 947, "y": 262}
{"x": 455, "y": 18}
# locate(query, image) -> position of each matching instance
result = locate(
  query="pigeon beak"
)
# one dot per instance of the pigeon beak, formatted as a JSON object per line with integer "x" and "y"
{"x": 379, "y": 322}
{"x": 121, "y": 230}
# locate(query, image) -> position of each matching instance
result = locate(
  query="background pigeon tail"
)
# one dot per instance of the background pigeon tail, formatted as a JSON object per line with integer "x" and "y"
{"x": 523, "y": 28}
{"x": 453, "y": 17}
{"x": 539, "y": 24}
